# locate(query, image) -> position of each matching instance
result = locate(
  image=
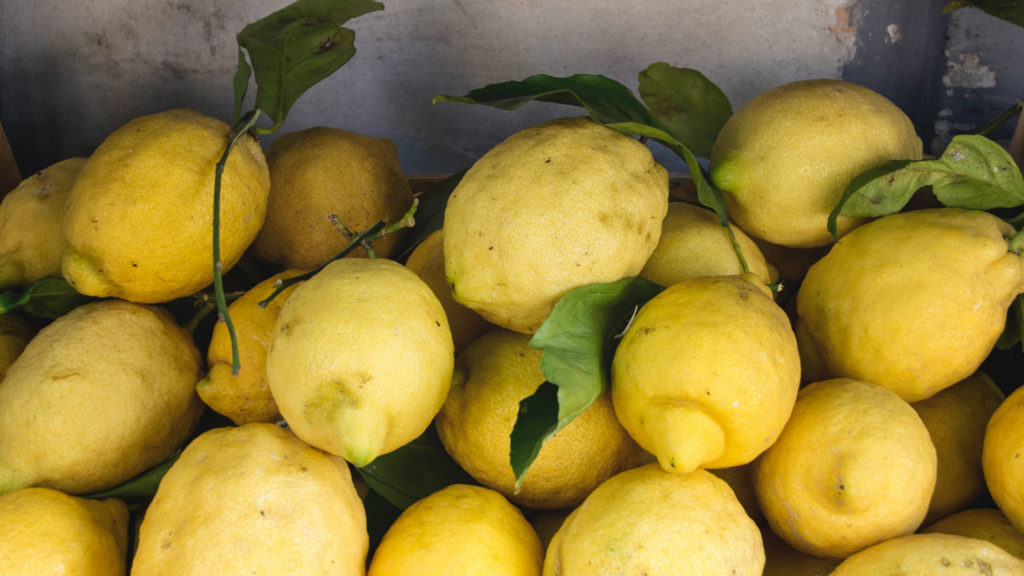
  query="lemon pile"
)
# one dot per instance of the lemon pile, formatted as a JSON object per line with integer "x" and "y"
{"x": 851, "y": 433}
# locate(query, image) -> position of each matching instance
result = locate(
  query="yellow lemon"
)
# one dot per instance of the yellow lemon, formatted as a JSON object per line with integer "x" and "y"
{"x": 693, "y": 244}
{"x": 784, "y": 159}
{"x": 983, "y": 524}
{"x": 322, "y": 171}
{"x": 854, "y": 467}
{"x": 140, "y": 215}
{"x": 460, "y": 531}
{"x": 781, "y": 559}
{"x": 31, "y": 241}
{"x": 427, "y": 261}
{"x": 547, "y": 523}
{"x": 739, "y": 479}
{"x": 48, "y": 533}
{"x": 15, "y": 334}
{"x": 491, "y": 378}
{"x": 690, "y": 399}
{"x": 245, "y": 398}
{"x": 912, "y": 302}
{"x": 1003, "y": 458}
{"x": 956, "y": 420}
{"x": 254, "y": 500}
{"x": 554, "y": 207}
{"x": 648, "y": 521}
{"x": 790, "y": 264}
{"x": 361, "y": 358}
{"x": 932, "y": 554}
{"x": 98, "y": 397}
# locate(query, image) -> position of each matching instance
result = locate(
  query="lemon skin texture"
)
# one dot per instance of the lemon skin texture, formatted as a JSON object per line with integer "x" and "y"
{"x": 15, "y": 334}
{"x": 1003, "y": 458}
{"x": 742, "y": 484}
{"x": 982, "y": 524}
{"x": 460, "y": 531}
{"x": 245, "y": 398}
{"x": 98, "y": 397}
{"x": 785, "y": 158}
{"x": 497, "y": 372}
{"x": 139, "y": 218}
{"x": 956, "y": 419}
{"x": 31, "y": 242}
{"x": 912, "y": 302}
{"x": 561, "y": 205}
{"x": 855, "y": 466}
{"x": 932, "y": 554}
{"x": 650, "y": 521}
{"x": 693, "y": 244}
{"x": 692, "y": 401}
{"x": 48, "y": 533}
{"x": 254, "y": 500}
{"x": 427, "y": 261}
{"x": 781, "y": 559}
{"x": 321, "y": 171}
{"x": 361, "y": 358}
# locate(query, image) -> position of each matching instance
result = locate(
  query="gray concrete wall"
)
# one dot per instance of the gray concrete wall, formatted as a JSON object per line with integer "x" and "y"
{"x": 71, "y": 72}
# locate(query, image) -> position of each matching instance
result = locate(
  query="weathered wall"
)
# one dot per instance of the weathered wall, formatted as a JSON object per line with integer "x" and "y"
{"x": 72, "y": 72}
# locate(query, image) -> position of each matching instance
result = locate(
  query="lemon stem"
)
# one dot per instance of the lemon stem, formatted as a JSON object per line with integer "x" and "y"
{"x": 1015, "y": 242}
{"x": 364, "y": 239}
{"x": 999, "y": 120}
{"x": 218, "y": 267}
{"x": 736, "y": 247}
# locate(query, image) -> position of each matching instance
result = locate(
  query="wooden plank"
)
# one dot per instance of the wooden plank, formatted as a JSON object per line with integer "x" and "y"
{"x": 9, "y": 175}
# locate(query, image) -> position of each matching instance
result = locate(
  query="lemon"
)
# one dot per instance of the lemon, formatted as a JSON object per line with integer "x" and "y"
{"x": 956, "y": 420}
{"x": 784, "y": 159}
{"x": 1003, "y": 457}
{"x": 781, "y": 559}
{"x": 427, "y": 261}
{"x": 928, "y": 554}
{"x": 31, "y": 242}
{"x": 648, "y": 521}
{"x": 554, "y": 207}
{"x": 46, "y": 532}
{"x": 98, "y": 397}
{"x": 322, "y": 171}
{"x": 139, "y": 218}
{"x": 690, "y": 399}
{"x": 547, "y": 523}
{"x": 460, "y": 531}
{"x": 693, "y": 244}
{"x": 741, "y": 482}
{"x": 254, "y": 500}
{"x": 491, "y": 378}
{"x": 15, "y": 334}
{"x": 361, "y": 358}
{"x": 245, "y": 398}
{"x": 983, "y": 524}
{"x": 790, "y": 263}
{"x": 854, "y": 467}
{"x": 912, "y": 302}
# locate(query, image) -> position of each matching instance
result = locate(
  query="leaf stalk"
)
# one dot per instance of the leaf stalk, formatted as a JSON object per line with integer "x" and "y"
{"x": 247, "y": 122}
{"x": 999, "y": 120}
{"x": 364, "y": 239}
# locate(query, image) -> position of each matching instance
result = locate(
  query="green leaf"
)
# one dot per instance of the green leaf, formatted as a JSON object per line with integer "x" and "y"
{"x": 240, "y": 85}
{"x": 50, "y": 297}
{"x": 1014, "y": 331}
{"x": 609, "y": 103}
{"x": 578, "y": 340}
{"x": 414, "y": 471}
{"x": 430, "y": 214}
{"x": 380, "y": 515}
{"x": 143, "y": 485}
{"x": 1010, "y": 10}
{"x": 296, "y": 47}
{"x": 973, "y": 173}
{"x": 692, "y": 108}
